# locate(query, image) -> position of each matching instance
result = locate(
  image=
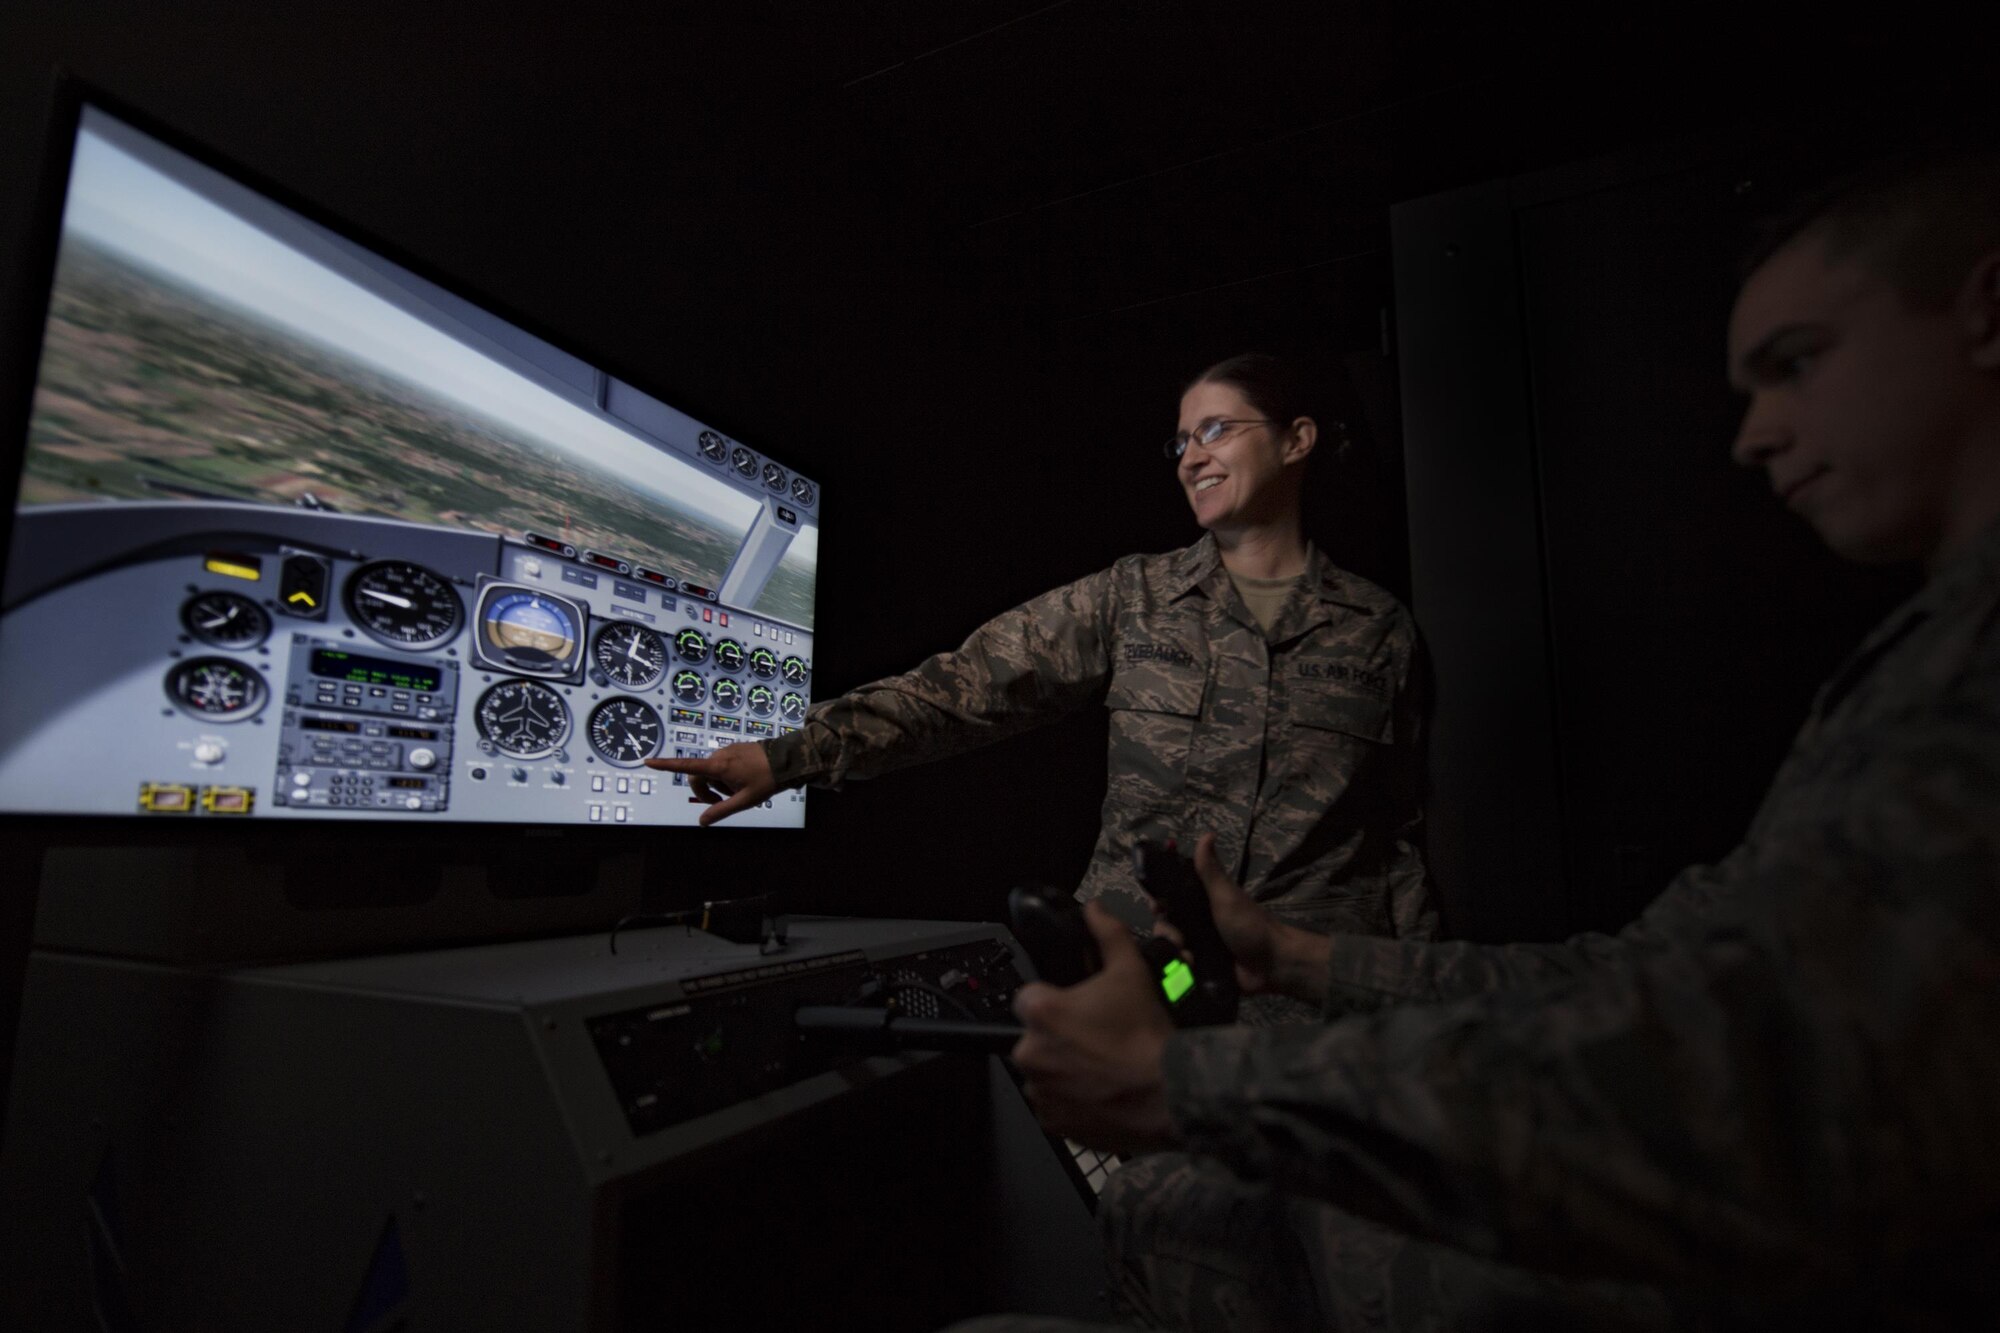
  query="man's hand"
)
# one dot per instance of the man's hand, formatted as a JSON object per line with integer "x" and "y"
{"x": 1092, "y": 1052}
{"x": 734, "y": 778}
{"x": 1271, "y": 956}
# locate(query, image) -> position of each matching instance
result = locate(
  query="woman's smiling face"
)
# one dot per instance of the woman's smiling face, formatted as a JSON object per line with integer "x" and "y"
{"x": 1239, "y": 481}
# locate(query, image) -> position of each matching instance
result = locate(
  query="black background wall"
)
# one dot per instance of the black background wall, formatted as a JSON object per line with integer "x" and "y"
{"x": 953, "y": 259}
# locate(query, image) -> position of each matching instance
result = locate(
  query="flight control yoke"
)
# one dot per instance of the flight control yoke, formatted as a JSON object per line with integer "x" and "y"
{"x": 1196, "y": 984}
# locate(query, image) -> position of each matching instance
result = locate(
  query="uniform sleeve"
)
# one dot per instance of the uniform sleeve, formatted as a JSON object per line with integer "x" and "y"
{"x": 1038, "y": 661}
{"x": 1366, "y": 973}
{"x": 1806, "y": 1089}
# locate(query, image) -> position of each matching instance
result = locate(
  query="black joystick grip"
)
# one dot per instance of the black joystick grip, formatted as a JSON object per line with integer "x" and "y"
{"x": 1209, "y": 993}
{"x": 1050, "y": 926}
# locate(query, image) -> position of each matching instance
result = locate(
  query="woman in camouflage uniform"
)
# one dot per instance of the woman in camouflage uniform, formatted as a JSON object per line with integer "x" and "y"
{"x": 1255, "y": 689}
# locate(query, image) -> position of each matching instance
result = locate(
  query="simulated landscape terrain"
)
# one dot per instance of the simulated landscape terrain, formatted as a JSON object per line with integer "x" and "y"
{"x": 149, "y": 390}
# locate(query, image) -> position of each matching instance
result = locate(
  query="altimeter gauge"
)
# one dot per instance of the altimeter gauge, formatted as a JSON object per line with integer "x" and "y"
{"x": 632, "y": 655}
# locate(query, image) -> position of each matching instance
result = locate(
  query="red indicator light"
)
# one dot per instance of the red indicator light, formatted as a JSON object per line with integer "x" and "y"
{"x": 725, "y": 620}
{"x": 707, "y": 614}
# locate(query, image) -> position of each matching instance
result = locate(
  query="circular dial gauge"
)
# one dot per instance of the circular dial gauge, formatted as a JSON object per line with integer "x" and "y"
{"x": 713, "y": 447}
{"x": 404, "y": 604}
{"x": 225, "y": 619}
{"x": 743, "y": 461}
{"x": 793, "y": 707}
{"x": 689, "y": 687}
{"x": 763, "y": 663}
{"x": 692, "y": 645}
{"x": 728, "y": 695}
{"x": 215, "y": 689}
{"x": 632, "y": 655}
{"x": 531, "y": 632}
{"x": 774, "y": 476}
{"x": 796, "y": 671}
{"x": 763, "y": 701}
{"x": 802, "y": 490}
{"x": 625, "y": 732}
{"x": 729, "y": 655}
{"x": 523, "y": 718}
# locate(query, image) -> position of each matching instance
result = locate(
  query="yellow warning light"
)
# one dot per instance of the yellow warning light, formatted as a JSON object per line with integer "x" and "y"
{"x": 166, "y": 798}
{"x": 301, "y": 596}
{"x": 227, "y": 800}
{"x": 234, "y": 567}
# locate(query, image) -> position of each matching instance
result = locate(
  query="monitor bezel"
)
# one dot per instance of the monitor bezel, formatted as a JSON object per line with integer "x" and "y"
{"x": 265, "y": 839}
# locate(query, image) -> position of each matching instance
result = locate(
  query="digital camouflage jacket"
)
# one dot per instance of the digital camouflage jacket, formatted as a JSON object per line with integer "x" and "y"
{"x": 1299, "y": 752}
{"x": 1777, "y": 1090}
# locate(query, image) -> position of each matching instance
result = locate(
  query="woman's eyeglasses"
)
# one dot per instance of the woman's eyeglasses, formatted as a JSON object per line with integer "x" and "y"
{"x": 1211, "y": 432}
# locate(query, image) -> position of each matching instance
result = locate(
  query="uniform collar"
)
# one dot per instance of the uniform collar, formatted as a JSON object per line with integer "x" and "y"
{"x": 1199, "y": 567}
{"x": 1196, "y": 565}
{"x": 1969, "y": 579}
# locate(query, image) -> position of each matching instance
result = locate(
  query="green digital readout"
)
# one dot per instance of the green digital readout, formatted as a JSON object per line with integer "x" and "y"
{"x": 356, "y": 669}
{"x": 1176, "y": 979}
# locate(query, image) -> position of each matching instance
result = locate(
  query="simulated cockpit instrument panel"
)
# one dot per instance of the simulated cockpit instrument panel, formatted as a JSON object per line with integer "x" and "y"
{"x": 302, "y": 535}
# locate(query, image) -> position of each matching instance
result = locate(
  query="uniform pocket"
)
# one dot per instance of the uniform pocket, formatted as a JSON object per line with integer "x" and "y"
{"x": 1159, "y": 666}
{"x": 1158, "y": 681}
{"x": 1157, "y": 687}
{"x": 1334, "y": 709}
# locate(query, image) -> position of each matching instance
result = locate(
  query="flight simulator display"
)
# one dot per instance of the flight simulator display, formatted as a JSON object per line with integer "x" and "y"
{"x": 301, "y": 535}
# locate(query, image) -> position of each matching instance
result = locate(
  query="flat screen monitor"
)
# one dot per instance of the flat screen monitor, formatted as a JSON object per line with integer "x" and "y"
{"x": 302, "y": 535}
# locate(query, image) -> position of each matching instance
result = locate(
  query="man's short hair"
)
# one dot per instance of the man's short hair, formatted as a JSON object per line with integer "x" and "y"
{"x": 1920, "y": 218}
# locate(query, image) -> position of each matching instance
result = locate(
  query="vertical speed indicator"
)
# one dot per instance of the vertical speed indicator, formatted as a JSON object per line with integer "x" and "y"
{"x": 625, "y": 732}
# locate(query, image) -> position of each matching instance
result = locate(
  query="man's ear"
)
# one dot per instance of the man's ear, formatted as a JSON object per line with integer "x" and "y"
{"x": 1299, "y": 441}
{"x": 1979, "y": 310}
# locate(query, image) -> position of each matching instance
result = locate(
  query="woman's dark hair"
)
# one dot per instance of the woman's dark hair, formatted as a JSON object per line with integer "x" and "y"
{"x": 1278, "y": 391}
{"x": 1269, "y": 384}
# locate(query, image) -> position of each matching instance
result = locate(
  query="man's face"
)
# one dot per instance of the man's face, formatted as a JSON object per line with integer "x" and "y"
{"x": 1861, "y": 408}
{"x": 1237, "y": 482}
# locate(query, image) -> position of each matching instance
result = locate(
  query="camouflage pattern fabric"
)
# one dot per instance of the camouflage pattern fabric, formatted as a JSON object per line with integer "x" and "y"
{"x": 1298, "y": 750}
{"x": 1773, "y": 1097}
